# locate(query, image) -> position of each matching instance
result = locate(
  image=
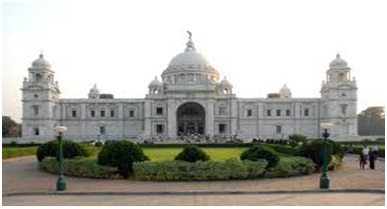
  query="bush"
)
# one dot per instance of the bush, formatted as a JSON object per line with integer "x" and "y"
{"x": 314, "y": 151}
{"x": 81, "y": 167}
{"x": 261, "y": 152}
{"x": 70, "y": 150}
{"x": 379, "y": 140}
{"x": 192, "y": 154}
{"x": 121, "y": 154}
{"x": 296, "y": 139}
{"x": 280, "y": 148}
{"x": 292, "y": 166}
{"x": 209, "y": 170}
{"x": 98, "y": 144}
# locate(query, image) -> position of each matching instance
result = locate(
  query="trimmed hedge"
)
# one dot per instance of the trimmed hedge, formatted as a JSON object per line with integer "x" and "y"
{"x": 261, "y": 152}
{"x": 284, "y": 149}
{"x": 192, "y": 154}
{"x": 293, "y": 166}
{"x": 209, "y": 170}
{"x": 121, "y": 154}
{"x": 71, "y": 149}
{"x": 80, "y": 167}
{"x": 199, "y": 145}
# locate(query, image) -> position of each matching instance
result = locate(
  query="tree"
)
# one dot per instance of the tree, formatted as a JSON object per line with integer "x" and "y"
{"x": 371, "y": 121}
{"x": 10, "y": 127}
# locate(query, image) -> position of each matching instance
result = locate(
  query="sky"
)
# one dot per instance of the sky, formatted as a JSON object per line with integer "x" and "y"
{"x": 258, "y": 45}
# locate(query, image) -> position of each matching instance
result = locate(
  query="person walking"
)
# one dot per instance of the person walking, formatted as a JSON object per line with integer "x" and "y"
{"x": 363, "y": 157}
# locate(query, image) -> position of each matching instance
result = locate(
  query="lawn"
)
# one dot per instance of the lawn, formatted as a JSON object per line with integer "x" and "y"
{"x": 216, "y": 154}
{"x": 155, "y": 154}
{"x": 9, "y": 152}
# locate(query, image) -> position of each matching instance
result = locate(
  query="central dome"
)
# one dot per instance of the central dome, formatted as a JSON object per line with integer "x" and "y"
{"x": 190, "y": 61}
{"x": 188, "y": 58}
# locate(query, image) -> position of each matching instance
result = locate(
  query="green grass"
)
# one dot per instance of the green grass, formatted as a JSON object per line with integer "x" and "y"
{"x": 216, "y": 154}
{"x": 9, "y": 152}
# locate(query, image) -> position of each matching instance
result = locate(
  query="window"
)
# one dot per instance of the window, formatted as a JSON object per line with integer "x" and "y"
{"x": 111, "y": 113}
{"x": 159, "y": 129}
{"x": 278, "y": 112}
{"x": 306, "y": 112}
{"x": 222, "y": 110}
{"x": 74, "y": 113}
{"x": 102, "y": 130}
{"x": 287, "y": 112}
{"x": 35, "y": 109}
{"x": 344, "y": 109}
{"x": 222, "y": 128}
{"x": 36, "y": 131}
{"x": 102, "y": 113}
{"x": 92, "y": 113}
{"x": 159, "y": 111}
{"x": 249, "y": 113}
{"x": 131, "y": 113}
{"x": 278, "y": 129}
{"x": 268, "y": 112}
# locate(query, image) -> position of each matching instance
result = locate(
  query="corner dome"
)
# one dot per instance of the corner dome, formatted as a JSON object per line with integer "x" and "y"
{"x": 41, "y": 63}
{"x": 225, "y": 82}
{"x": 285, "y": 89}
{"x": 155, "y": 82}
{"x": 94, "y": 90}
{"x": 338, "y": 63}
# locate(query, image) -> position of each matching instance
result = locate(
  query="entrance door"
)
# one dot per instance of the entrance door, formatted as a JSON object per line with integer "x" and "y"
{"x": 190, "y": 119}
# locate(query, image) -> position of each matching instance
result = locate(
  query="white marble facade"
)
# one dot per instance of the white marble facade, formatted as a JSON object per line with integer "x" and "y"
{"x": 189, "y": 99}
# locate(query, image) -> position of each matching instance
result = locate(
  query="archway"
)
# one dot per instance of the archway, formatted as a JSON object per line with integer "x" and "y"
{"x": 190, "y": 119}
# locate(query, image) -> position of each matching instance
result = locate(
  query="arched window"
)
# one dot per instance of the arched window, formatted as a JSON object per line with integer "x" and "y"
{"x": 341, "y": 77}
{"x": 38, "y": 77}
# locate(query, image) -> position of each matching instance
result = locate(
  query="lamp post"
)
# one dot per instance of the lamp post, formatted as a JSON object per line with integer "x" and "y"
{"x": 61, "y": 182}
{"x": 324, "y": 179}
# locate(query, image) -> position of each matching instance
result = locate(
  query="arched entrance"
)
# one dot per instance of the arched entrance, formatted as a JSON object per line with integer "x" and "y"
{"x": 190, "y": 119}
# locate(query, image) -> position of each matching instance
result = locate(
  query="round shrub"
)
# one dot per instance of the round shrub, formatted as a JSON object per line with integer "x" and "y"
{"x": 314, "y": 150}
{"x": 121, "y": 154}
{"x": 98, "y": 144}
{"x": 70, "y": 150}
{"x": 192, "y": 154}
{"x": 261, "y": 152}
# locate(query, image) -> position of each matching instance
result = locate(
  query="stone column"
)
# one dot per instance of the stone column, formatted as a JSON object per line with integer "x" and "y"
{"x": 147, "y": 118}
{"x": 210, "y": 117}
{"x": 234, "y": 117}
{"x": 171, "y": 118}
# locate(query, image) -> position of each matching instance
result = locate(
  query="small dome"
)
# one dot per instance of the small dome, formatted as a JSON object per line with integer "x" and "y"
{"x": 41, "y": 63}
{"x": 225, "y": 82}
{"x": 155, "y": 82}
{"x": 94, "y": 90}
{"x": 338, "y": 63}
{"x": 285, "y": 89}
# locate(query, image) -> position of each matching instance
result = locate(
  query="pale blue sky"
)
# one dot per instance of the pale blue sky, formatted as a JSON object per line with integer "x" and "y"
{"x": 258, "y": 45}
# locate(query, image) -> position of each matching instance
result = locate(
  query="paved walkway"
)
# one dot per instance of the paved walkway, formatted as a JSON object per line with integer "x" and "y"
{"x": 21, "y": 175}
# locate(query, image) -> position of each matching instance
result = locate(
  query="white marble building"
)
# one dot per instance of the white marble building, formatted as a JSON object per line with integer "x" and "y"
{"x": 190, "y": 98}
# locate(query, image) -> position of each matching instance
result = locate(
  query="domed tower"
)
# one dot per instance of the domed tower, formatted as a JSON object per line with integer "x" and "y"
{"x": 94, "y": 92}
{"x": 155, "y": 87}
{"x": 190, "y": 71}
{"x": 339, "y": 98}
{"x": 285, "y": 92}
{"x": 226, "y": 86}
{"x": 40, "y": 98}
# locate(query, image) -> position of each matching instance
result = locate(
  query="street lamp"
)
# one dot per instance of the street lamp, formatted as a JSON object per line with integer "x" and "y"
{"x": 61, "y": 182}
{"x": 324, "y": 179}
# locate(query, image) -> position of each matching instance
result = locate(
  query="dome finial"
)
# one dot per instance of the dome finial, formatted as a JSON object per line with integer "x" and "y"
{"x": 189, "y": 35}
{"x": 338, "y": 55}
{"x": 190, "y": 44}
{"x": 41, "y": 54}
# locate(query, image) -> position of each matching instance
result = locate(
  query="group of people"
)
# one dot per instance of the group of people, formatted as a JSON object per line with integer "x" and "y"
{"x": 368, "y": 155}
